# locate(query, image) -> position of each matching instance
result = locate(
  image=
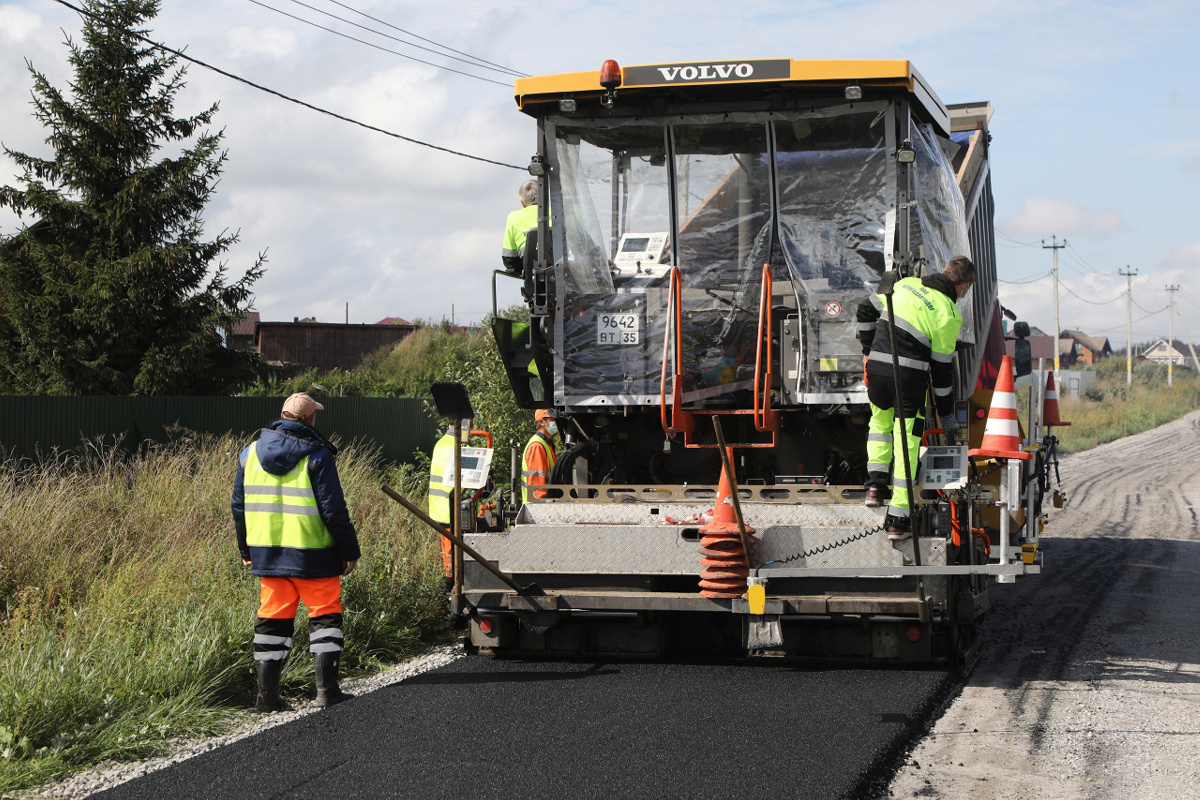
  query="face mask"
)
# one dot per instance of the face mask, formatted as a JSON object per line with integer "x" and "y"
{"x": 552, "y": 428}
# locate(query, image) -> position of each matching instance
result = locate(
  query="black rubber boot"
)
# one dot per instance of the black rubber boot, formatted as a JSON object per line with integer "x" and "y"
{"x": 268, "y": 674}
{"x": 328, "y": 691}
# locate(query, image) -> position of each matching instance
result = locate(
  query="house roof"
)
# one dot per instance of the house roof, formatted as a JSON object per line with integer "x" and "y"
{"x": 393, "y": 321}
{"x": 1043, "y": 347}
{"x": 246, "y": 326}
{"x": 1097, "y": 344}
{"x": 1176, "y": 345}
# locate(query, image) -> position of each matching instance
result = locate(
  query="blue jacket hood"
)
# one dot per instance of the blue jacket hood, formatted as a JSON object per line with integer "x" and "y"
{"x": 282, "y": 445}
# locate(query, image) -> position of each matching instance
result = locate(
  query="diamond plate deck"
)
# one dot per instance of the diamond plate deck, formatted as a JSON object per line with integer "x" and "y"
{"x": 624, "y": 544}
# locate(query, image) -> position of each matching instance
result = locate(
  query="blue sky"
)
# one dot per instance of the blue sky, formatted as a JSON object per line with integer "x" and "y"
{"x": 1096, "y": 133}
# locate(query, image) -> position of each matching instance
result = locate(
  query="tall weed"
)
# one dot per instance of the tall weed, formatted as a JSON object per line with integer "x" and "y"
{"x": 126, "y": 615}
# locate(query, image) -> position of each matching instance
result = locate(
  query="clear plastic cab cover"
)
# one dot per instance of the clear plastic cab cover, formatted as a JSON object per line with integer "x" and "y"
{"x": 812, "y": 195}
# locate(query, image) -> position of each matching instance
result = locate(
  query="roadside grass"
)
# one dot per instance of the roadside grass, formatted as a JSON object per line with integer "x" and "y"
{"x": 1112, "y": 409}
{"x": 126, "y": 616}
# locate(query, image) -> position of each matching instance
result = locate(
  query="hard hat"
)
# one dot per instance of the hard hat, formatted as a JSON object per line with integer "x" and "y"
{"x": 543, "y": 413}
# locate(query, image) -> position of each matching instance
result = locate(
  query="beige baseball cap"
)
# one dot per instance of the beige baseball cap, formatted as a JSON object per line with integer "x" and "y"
{"x": 300, "y": 406}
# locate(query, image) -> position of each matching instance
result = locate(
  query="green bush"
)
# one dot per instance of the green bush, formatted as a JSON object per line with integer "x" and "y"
{"x": 126, "y": 616}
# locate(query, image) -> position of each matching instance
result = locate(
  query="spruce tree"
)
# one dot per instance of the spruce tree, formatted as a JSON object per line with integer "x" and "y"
{"x": 115, "y": 289}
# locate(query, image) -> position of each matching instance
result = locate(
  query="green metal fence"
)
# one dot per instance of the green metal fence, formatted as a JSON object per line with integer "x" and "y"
{"x": 36, "y": 426}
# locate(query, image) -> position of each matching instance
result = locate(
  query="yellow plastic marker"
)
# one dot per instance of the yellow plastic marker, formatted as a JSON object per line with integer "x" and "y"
{"x": 756, "y": 595}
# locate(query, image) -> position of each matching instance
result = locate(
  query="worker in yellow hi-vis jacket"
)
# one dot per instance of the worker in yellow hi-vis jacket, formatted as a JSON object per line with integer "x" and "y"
{"x": 927, "y": 325}
{"x": 294, "y": 532}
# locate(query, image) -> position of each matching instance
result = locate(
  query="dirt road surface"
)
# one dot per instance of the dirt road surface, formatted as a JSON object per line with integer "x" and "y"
{"x": 1089, "y": 686}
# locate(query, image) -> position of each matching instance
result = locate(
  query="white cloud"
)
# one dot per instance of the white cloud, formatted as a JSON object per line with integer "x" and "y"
{"x": 1062, "y": 216}
{"x": 246, "y": 42}
{"x": 16, "y": 23}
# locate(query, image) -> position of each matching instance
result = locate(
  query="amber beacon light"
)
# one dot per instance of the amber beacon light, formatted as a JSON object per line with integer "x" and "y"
{"x": 610, "y": 75}
{"x": 610, "y": 79}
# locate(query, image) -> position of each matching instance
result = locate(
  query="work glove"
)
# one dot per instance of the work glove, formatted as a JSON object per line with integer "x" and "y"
{"x": 950, "y": 426}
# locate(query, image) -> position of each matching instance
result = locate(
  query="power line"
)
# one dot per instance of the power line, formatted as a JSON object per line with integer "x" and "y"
{"x": 1075, "y": 252}
{"x": 474, "y": 62}
{"x": 376, "y": 46}
{"x": 310, "y": 106}
{"x": 1091, "y": 302}
{"x": 1136, "y": 321}
{"x": 1026, "y": 280}
{"x": 1015, "y": 242}
{"x": 430, "y": 41}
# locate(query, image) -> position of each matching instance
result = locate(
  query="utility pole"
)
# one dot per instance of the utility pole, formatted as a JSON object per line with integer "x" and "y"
{"x": 1055, "y": 247}
{"x": 1171, "y": 341}
{"x": 1188, "y": 336}
{"x": 1128, "y": 273}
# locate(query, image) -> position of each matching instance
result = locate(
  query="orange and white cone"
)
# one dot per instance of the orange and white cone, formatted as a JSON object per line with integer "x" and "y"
{"x": 1050, "y": 405}
{"x": 1002, "y": 435}
{"x": 724, "y": 567}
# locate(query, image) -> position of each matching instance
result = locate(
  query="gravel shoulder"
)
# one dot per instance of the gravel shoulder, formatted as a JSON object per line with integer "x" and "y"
{"x": 105, "y": 777}
{"x": 1089, "y": 685}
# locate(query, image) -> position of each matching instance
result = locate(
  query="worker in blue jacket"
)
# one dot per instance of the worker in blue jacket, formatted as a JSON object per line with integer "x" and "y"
{"x": 295, "y": 534}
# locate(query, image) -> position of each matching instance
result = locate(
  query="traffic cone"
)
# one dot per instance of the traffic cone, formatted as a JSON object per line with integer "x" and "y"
{"x": 724, "y": 568}
{"x": 1050, "y": 405}
{"x": 1001, "y": 435}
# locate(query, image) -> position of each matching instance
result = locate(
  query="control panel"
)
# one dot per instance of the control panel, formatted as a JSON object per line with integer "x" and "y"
{"x": 641, "y": 253}
{"x": 943, "y": 467}
{"x": 476, "y": 461}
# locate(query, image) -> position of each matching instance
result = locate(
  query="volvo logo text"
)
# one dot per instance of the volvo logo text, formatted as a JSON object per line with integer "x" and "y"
{"x": 707, "y": 72}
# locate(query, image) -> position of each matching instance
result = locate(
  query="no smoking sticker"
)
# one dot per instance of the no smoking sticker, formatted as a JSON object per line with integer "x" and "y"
{"x": 833, "y": 308}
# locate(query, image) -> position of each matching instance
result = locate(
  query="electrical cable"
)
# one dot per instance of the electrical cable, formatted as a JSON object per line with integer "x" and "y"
{"x": 430, "y": 41}
{"x": 370, "y": 44}
{"x": 473, "y": 63}
{"x": 1026, "y": 280}
{"x": 1015, "y": 242}
{"x": 1082, "y": 260}
{"x": 1121, "y": 296}
{"x": 310, "y": 106}
{"x": 1136, "y": 321}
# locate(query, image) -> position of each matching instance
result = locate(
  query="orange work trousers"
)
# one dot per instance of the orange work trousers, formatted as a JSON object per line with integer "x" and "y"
{"x": 280, "y": 597}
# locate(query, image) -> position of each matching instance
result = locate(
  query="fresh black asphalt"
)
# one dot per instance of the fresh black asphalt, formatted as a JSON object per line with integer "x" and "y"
{"x": 479, "y": 728}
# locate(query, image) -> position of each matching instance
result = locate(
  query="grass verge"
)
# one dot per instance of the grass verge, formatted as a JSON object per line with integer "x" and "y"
{"x": 126, "y": 616}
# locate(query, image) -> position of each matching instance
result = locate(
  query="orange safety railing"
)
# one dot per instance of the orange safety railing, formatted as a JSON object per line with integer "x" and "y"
{"x": 764, "y": 415}
{"x": 677, "y": 421}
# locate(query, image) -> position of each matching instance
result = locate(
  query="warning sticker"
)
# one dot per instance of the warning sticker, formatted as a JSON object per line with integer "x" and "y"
{"x": 833, "y": 308}
{"x": 829, "y": 365}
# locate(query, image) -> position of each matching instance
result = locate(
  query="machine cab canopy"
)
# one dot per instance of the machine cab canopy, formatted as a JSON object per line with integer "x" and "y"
{"x": 719, "y": 169}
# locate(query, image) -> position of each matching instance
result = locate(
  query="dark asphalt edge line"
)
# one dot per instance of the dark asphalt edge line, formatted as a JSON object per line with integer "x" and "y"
{"x": 875, "y": 782}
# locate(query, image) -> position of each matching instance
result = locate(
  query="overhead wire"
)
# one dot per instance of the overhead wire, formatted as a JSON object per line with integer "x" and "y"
{"x": 376, "y": 46}
{"x": 281, "y": 95}
{"x": 473, "y": 62}
{"x": 1026, "y": 280}
{"x": 1070, "y": 291}
{"x": 430, "y": 41}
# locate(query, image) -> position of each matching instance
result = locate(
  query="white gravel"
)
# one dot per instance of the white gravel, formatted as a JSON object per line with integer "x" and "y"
{"x": 1090, "y": 683}
{"x": 109, "y": 775}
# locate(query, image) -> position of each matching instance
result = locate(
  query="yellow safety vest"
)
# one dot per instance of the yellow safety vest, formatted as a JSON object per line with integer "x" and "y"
{"x": 439, "y": 492}
{"x": 281, "y": 510}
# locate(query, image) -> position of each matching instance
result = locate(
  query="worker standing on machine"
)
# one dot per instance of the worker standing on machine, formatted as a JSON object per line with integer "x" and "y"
{"x": 927, "y": 325}
{"x": 539, "y": 456}
{"x": 442, "y": 465}
{"x": 295, "y": 534}
{"x": 519, "y": 224}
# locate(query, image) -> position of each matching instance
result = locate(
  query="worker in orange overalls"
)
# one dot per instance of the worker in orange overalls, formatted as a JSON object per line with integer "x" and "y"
{"x": 539, "y": 456}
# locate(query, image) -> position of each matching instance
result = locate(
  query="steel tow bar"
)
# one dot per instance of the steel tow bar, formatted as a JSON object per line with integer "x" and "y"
{"x": 532, "y": 590}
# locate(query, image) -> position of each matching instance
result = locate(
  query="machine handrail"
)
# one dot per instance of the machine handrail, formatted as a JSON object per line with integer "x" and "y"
{"x": 764, "y": 416}
{"x": 673, "y": 328}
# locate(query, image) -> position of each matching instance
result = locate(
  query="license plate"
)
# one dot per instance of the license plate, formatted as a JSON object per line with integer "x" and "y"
{"x": 618, "y": 328}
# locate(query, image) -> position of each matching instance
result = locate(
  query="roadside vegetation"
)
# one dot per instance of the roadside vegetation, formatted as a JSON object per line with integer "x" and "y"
{"x": 433, "y": 352}
{"x": 1111, "y": 409}
{"x": 126, "y": 616}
